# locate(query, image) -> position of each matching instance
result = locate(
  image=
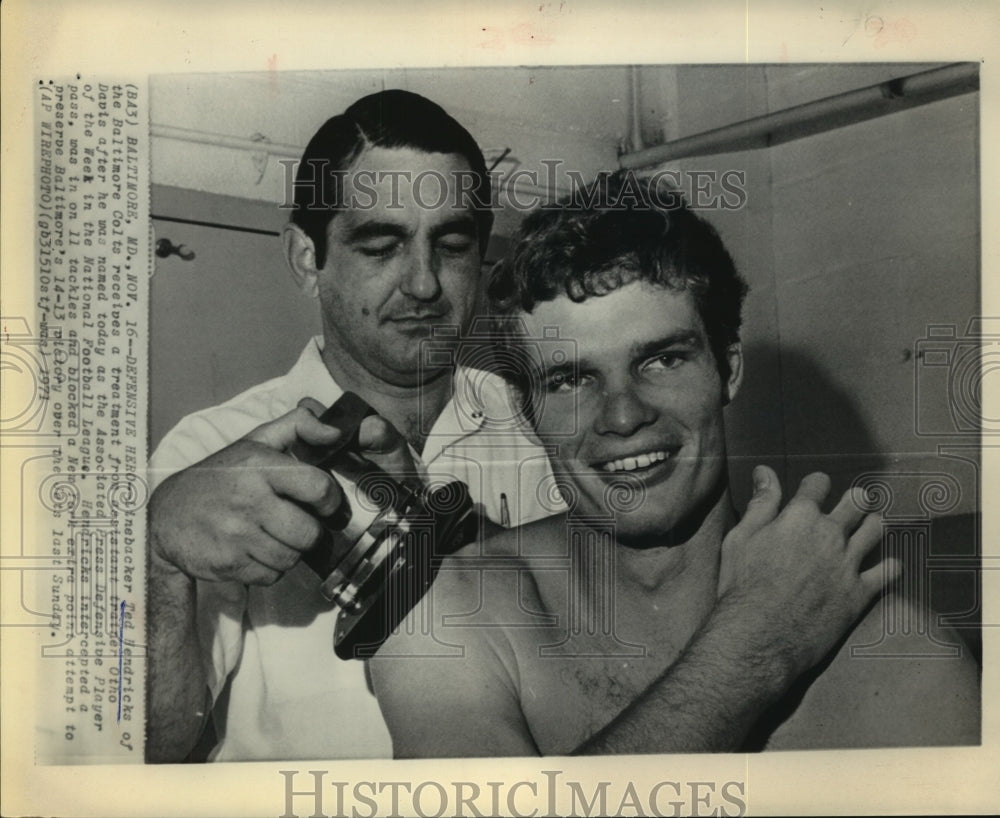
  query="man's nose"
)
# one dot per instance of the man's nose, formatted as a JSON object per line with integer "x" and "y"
{"x": 623, "y": 413}
{"x": 420, "y": 280}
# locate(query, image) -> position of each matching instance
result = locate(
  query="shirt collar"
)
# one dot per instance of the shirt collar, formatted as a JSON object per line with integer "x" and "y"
{"x": 480, "y": 400}
{"x": 310, "y": 376}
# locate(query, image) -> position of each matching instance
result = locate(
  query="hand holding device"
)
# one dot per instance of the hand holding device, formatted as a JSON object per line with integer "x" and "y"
{"x": 380, "y": 551}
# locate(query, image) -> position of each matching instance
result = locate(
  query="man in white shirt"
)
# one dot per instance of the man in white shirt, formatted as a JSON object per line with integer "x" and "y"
{"x": 392, "y": 219}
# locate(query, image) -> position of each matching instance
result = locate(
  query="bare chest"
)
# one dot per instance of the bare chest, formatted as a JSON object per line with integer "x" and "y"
{"x": 578, "y": 675}
{"x": 566, "y": 700}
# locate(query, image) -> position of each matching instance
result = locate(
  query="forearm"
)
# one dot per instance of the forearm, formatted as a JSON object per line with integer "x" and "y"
{"x": 178, "y": 699}
{"x": 790, "y": 587}
{"x": 707, "y": 700}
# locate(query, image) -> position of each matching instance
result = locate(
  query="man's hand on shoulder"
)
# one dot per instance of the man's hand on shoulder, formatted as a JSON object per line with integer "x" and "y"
{"x": 247, "y": 512}
{"x": 796, "y": 576}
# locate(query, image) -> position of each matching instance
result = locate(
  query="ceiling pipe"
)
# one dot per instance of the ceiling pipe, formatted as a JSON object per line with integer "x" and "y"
{"x": 219, "y": 140}
{"x": 635, "y": 141}
{"x": 816, "y": 117}
{"x": 285, "y": 151}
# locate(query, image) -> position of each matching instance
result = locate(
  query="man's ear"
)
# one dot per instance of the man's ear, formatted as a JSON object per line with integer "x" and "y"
{"x": 734, "y": 355}
{"x": 301, "y": 257}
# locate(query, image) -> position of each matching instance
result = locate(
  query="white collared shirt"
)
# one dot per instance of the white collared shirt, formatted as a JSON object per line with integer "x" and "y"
{"x": 289, "y": 695}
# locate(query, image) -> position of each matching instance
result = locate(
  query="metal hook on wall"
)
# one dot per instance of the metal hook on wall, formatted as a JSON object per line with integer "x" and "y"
{"x": 165, "y": 248}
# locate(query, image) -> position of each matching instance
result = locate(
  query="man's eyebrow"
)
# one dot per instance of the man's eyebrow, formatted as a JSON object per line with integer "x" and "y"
{"x": 689, "y": 338}
{"x": 375, "y": 230}
{"x": 682, "y": 338}
{"x": 465, "y": 225}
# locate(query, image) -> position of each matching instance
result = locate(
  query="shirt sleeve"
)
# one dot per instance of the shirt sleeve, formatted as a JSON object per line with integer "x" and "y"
{"x": 221, "y": 608}
{"x": 221, "y": 605}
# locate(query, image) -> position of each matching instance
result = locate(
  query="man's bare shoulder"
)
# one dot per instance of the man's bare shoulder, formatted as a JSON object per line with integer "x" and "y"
{"x": 492, "y": 579}
{"x": 453, "y": 654}
{"x": 521, "y": 543}
{"x": 897, "y": 680}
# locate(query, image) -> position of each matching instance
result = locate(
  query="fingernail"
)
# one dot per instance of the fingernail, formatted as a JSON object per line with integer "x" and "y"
{"x": 760, "y": 478}
{"x": 304, "y": 404}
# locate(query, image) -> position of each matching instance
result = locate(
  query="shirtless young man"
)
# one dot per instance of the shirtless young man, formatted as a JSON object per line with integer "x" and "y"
{"x": 657, "y": 622}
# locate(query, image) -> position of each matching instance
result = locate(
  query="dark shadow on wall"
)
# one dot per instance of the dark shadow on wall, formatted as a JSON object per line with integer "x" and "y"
{"x": 793, "y": 416}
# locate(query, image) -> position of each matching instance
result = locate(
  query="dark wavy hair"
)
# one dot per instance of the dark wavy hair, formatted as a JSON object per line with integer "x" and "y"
{"x": 620, "y": 229}
{"x": 387, "y": 119}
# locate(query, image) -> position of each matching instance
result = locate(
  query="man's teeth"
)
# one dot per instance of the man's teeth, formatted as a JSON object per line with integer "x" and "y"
{"x": 640, "y": 461}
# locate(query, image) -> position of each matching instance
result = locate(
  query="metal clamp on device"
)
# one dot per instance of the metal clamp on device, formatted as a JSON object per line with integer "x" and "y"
{"x": 377, "y": 568}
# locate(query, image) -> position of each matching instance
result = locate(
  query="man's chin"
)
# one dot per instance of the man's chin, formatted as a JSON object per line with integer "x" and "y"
{"x": 645, "y": 515}
{"x": 411, "y": 373}
{"x": 633, "y": 528}
{"x": 654, "y": 531}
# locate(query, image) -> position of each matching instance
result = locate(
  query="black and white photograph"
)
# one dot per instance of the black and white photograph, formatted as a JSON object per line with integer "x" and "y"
{"x": 531, "y": 432}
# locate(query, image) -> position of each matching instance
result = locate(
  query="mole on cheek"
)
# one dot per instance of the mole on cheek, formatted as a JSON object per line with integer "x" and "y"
{"x": 364, "y": 311}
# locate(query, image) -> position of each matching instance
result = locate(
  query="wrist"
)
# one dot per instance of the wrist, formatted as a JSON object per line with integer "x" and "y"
{"x": 160, "y": 566}
{"x": 770, "y": 657}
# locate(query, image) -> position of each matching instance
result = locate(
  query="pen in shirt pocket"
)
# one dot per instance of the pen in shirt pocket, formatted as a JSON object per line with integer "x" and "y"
{"x": 504, "y": 511}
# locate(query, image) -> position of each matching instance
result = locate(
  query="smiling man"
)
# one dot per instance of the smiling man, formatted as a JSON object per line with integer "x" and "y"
{"x": 648, "y": 618}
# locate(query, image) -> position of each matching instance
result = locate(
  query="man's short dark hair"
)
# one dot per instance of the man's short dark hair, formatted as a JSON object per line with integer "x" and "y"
{"x": 387, "y": 119}
{"x": 621, "y": 229}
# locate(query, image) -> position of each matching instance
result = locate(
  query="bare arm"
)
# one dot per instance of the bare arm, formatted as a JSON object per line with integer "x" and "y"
{"x": 709, "y": 699}
{"x": 887, "y": 686}
{"x": 451, "y": 692}
{"x": 789, "y": 589}
{"x": 909, "y": 700}
{"x": 238, "y": 517}
{"x": 179, "y": 700}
